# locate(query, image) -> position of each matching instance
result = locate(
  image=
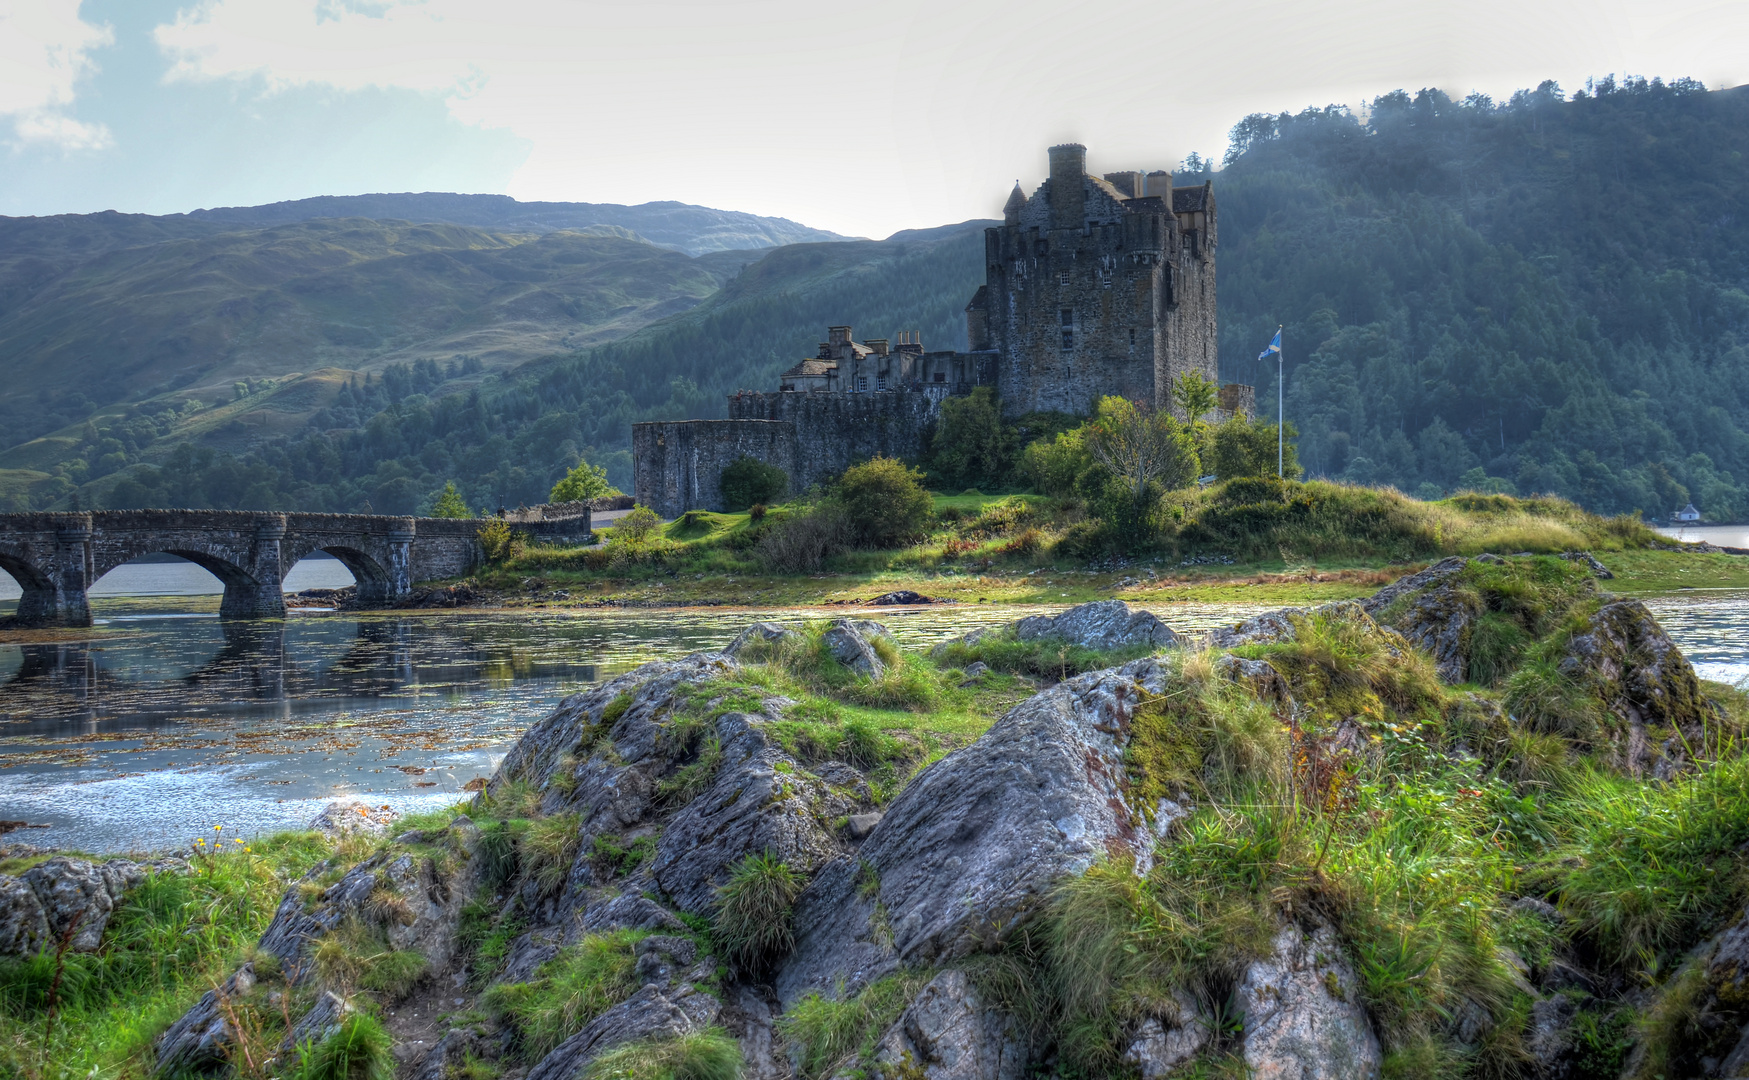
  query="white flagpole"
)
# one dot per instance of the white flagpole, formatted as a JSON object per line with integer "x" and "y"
{"x": 1280, "y": 411}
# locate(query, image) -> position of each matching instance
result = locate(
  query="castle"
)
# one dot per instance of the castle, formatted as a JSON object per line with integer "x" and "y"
{"x": 1093, "y": 286}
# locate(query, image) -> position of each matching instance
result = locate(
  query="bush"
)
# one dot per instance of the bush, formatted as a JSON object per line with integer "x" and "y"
{"x": 747, "y": 481}
{"x": 802, "y": 542}
{"x": 498, "y": 543}
{"x": 971, "y": 445}
{"x": 1244, "y": 447}
{"x": 753, "y": 915}
{"x": 638, "y": 526}
{"x": 885, "y": 501}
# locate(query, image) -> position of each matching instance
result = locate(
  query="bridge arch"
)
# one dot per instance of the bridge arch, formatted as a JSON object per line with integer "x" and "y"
{"x": 374, "y": 580}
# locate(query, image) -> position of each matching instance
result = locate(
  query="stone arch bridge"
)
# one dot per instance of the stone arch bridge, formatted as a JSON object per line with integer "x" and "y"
{"x": 56, "y": 557}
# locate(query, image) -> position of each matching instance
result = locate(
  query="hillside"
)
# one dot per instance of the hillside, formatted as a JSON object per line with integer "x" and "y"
{"x": 1548, "y": 294}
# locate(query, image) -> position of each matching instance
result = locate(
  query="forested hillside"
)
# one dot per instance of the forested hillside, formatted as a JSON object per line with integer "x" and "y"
{"x": 1550, "y": 290}
{"x": 1546, "y": 294}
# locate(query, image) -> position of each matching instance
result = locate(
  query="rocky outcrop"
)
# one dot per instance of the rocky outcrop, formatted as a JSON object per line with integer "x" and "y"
{"x": 970, "y": 848}
{"x": 339, "y": 818}
{"x": 67, "y": 899}
{"x": 1301, "y": 1014}
{"x": 950, "y": 1034}
{"x": 851, "y": 642}
{"x": 652, "y": 1013}
{"x": 1280, "y": 627}
{"x": 761, "y": 635}
{"x": 1640, "y": 674}
{"x": 1103, "y": 624}
{"x": 201, "y": 1039}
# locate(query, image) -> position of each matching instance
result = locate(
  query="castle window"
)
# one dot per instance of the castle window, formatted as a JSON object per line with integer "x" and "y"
{"x": 1062, "y": 277}
{"x": 862, "y": 384}
{"x": 941, "y": 376}
{"x": 1132, "y": 337}
{"x": 1068, "y": 317}
{"x": 880, "y": 382}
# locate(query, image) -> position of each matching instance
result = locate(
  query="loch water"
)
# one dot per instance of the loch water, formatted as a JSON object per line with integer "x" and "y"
{"x": 163, "y": 720}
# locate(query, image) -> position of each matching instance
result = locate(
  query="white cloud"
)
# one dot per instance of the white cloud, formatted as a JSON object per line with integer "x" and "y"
{"x": 44, "y": 51}
{"x": 870, "y": 117}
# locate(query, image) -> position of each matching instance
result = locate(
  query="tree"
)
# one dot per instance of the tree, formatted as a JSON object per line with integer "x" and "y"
{"x": 584, "y": 481}
{"x": 886, "y": 502}
{"x": 1194, "y": 395}
{"x": 1247, "y": 448}
{"x": 749, "y": 482}
{"x": 1141, "y": 445}
{"x": 972, "y": 447}
{"x": 449, "y": 503}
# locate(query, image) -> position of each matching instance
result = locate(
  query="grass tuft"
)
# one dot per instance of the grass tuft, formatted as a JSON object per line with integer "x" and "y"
{"x": 752, "y": 925}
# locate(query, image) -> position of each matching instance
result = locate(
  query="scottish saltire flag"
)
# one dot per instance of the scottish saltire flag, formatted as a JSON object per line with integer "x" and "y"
{"x": 1274, "y": 347}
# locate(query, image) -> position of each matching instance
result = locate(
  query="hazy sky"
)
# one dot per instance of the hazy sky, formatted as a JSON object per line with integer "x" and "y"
{"x": 863, "y": 118}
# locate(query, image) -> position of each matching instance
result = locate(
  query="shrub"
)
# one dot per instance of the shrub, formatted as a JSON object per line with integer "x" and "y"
{"x": 752, "y": 925}
{"x": 1244, "y": 447}
{"x": 971, "y": 445}
{"x": 885, "y": 501}
{"x": 756, "y": 513}
{"x": 747, "y": 481}
{"x": 801, "y": 543}
{"x": 361, "y": 1049}
{"x": 638, "y": 526}
{"x": 703, "y": 1055}
{"x": 498, "y": 543}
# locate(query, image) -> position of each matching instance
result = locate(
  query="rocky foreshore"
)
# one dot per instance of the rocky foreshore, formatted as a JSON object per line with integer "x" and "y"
{"x": 787, "y": 905}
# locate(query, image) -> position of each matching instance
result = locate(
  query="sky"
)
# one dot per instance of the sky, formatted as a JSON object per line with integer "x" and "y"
{"x": 862, "y": 118}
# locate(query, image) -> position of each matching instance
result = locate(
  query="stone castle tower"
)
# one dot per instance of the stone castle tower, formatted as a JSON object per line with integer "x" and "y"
{"x": 1094, "y": 286}
{"x": 1097, "y": 286}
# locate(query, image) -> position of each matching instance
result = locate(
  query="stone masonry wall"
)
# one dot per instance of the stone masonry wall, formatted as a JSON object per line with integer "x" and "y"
{"x": 836, "y": 431}
{"x": 677, "y": 463}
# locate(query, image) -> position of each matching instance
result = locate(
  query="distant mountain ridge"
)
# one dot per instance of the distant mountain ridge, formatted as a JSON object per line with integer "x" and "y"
{"x": 696, "y": 230}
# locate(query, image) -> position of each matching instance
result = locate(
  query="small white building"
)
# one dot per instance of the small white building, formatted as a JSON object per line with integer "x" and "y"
{"x": 1688, "y": 514}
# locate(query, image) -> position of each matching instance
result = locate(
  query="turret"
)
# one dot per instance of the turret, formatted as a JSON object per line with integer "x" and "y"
{"x": 1068, "y": 191}
{"x": 1011, "y": 209}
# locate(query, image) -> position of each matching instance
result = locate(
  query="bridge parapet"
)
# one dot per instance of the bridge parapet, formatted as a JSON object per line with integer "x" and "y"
{"x": 56, "y": 557}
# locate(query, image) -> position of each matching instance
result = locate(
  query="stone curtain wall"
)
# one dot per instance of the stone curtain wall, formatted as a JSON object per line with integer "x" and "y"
{"x": 836, "y": 431}
{"x": 677, "y": 463}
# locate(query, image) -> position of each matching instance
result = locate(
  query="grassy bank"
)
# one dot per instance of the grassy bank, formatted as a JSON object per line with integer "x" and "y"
{"x": 1245, "y": 541}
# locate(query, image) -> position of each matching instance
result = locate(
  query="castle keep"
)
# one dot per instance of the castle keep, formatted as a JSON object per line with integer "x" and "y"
{"x": 1093, "y": 286}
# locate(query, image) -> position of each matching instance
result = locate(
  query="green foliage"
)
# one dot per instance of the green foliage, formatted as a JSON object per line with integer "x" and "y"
{"x": 449, "y": 503}
{"x": 1241, "y": 447}
{"x": 1048, "y": 657}
{"x": 704, "y": 1055}
{"x": 747, "y": 481}
{"x": 1195, "y": 395}
{"x": 802, "y": 540}
{"x": 971, "y": 444}
{"x": 498, "y": 542}
{"x": 356, "y": 955}
{"x": 752, "y": 925}
{"x": 360, "y": 1049}
{"x": 831, "y": 1034}
{"x": 582, "y": 481}
{"x": 885, "y": 502}
{"x": 566, "y": 992}
{"x": 638, "y": 526}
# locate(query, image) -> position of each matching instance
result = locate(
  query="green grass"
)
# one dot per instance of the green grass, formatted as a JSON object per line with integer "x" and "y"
{"x": 359, "y": 1050}
{"x": 830, "y": 1034}
{"x": 1051, "y": 658}
{"x": 752, "y": 923}
{"x": 566, "y": 992}
{"x": 707, "y": 1055}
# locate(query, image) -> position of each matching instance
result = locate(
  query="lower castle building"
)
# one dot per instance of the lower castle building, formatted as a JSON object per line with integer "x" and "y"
{"x": 1094, "y": 286}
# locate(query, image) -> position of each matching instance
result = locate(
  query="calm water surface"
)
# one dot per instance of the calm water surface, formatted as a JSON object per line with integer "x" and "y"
{"x": 162, "y": 722}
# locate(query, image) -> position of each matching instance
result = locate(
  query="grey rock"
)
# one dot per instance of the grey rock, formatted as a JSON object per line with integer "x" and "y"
{"x": 1551, "y": 1036}
{"x": 1259, "y": 676}
{"x": 1644, "y": 680}
{"x": 527, "y": 953}
{"x": 1438, "y": 622}
{"x": 970, "y": 639}
{"x": 338, "y": 818}
{"x": 975, "y": 671}
{"x": 1433, "y": 575}
{"x": 1736, "y": 1063}
{"x": 860, "y": 825}
{"x": 651, "y": 1013}
{"x": 662, "y": 959}
{"x": 1302, "y": 1015}
{"x": 752, "y": 1017}
{"x": 751, "y": 807}
{"x": 1161, "y": 1045}
{"x": 851, "y": 643}
{"x": 451, "y": 1051}
{"x": 24, "y": 928}
{"x": 76, "y": 898}
{"x": 968, "y": 851}
{"x": 199, "y": 1040}
{"x": 322, "y": 1020}
{"x": 1598, "y": 570}
{"x": 630, "y": 911}
{"x": 1277, "y": 627}
{"x": 1103, "y": 624}
{"x": 760, "y": 638}
{"x": 952, "y": 1035}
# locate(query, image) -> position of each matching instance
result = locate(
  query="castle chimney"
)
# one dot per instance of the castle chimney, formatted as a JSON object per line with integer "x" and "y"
{"x": 1128, "y": 184}
{"x": 1068, "y": 195}
{"x": 1160, "y": 186}
{"x": 879, "y": 345}
{"x": 838, "y": 335}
